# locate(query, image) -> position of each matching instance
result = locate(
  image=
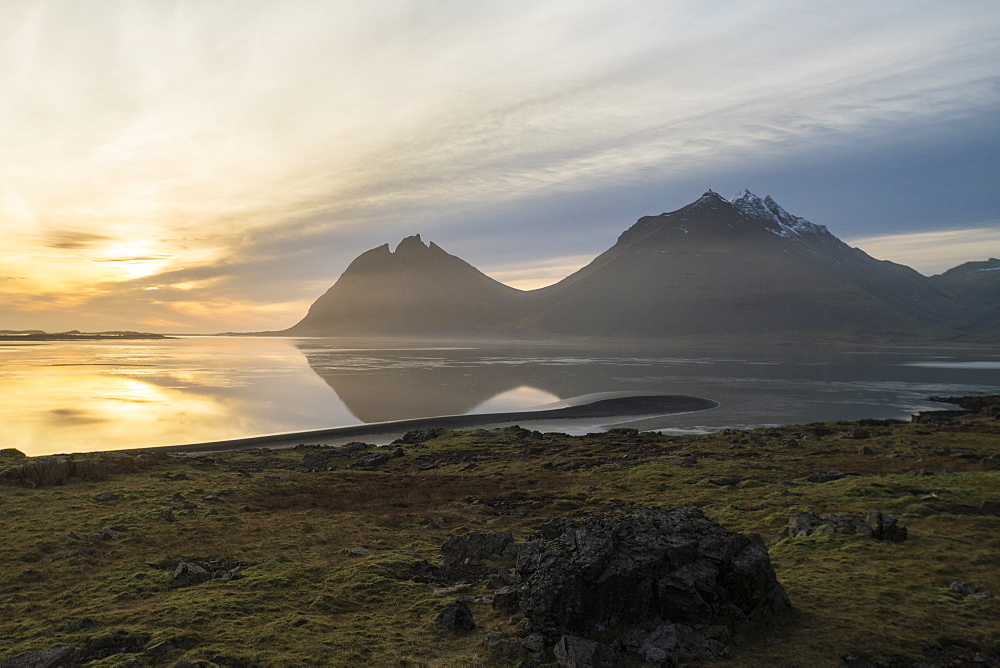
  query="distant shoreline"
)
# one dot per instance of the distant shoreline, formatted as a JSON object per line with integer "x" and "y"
{"x": 387, "y": 431}
{"x": 80, "y": 336}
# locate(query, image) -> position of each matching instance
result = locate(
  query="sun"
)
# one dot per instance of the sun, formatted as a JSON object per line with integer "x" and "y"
{"x": 134, "y": 259}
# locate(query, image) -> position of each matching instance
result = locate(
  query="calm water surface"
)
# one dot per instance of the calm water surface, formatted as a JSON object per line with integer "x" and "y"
{"x": 98, "y": 395}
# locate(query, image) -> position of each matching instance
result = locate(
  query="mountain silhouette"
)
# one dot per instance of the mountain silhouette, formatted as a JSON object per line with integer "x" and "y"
{"x": 716, "y": 267}
{"x": 416, "y": 289}
{"x": 976, "y": 286}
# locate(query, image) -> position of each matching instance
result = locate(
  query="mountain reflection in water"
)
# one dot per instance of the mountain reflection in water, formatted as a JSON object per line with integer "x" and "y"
{"x": 755, "y": 386}
{"x": 103, "y": 395}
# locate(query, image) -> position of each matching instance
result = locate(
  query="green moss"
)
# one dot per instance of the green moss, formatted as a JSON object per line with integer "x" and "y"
{"x": 304, "y": 601}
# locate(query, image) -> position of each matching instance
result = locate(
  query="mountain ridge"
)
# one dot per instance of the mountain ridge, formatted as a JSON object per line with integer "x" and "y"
{"x": 744, "y": 266}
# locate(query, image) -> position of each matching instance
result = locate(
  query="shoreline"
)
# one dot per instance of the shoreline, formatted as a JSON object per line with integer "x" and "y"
{"x": 624, "y": 407}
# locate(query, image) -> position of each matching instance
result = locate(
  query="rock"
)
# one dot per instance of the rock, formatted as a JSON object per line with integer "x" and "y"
{"x": 116, "y": 642}
{"x": 474, "y": 548}
{"x": 60, "y": 657}
{"x": 877, "y": 525}
{"x": 233, "y": 574}
{"x": 622, "y": 571}
{"x": 168, "y": 514}
{"x": 357, "y": 551}
{"x": 825, "y": 476}
{"x": 104, "y": 497}
{"x": 81, "y": 624}
{"x": 416, "y": 436}
{"x": 885, "y": 527}
{"x": 61, "y": 469}
{"x": 457, "y": 617}
{"x": 500, "y": 579}
{"x": 969, "y": 590}
{"x": 106, "y": 534}
{"x": 436, "y": 522}
{"x": 374, "y": 459}
{"x": 623, "y": 431}
{"x": 317, "y": 461}
{"x": 191, "y": 573}
{"x": 513, "y": 649}
{"x": 506, "y": 598}
{"x": 670, "y": 642}
{"x": 574, "y": 652}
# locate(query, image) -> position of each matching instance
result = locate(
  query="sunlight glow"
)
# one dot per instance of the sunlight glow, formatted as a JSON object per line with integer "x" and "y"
{"x": 519, "y": 399}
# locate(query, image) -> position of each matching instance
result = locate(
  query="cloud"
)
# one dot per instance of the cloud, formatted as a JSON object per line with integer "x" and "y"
{"x": 73, "y": 240}
{"x": 266, "y": 143}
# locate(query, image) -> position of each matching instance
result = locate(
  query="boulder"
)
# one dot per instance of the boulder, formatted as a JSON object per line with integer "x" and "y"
{"x": 190, "y": 573}
{"x": 372, "y": 460}
{"x": 878, "y": 525}
{"x": 669, "y": 643}
{"x": 456, "y": 617}
{"x": 574, "y": 652}
{"x": 475, "y": 548}
{"x": 825, "y": 476}
{"x": 588, "y": 579}
{"x": 506, "y": 598}
{"x": 116, "y": 642}
{"x": 884, "y": 526}
{"x": 357, "y": 551}
{"x": 969, "y": 590}
{"x": 59, "y": 657}
{"x": 317, "y": 461}
{"x": 416, "y": 436}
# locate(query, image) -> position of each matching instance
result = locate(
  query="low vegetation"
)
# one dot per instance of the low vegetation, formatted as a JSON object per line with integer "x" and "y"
{"x": 317, "y": 567}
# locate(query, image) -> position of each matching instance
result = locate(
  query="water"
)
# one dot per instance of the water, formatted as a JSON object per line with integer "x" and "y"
{"x": 100, "y": 395}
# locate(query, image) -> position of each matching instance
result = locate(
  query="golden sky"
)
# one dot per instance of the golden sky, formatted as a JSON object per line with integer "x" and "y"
{"x": 212, "y": 165}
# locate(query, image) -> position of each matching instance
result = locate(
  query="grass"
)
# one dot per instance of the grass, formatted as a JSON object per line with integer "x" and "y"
{"x": 304, "y": 601}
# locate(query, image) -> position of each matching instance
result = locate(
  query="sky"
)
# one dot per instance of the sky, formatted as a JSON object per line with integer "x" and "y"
{"x": 210, "y": 165}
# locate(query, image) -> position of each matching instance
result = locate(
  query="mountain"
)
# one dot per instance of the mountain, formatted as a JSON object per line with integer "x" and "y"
{"x": 715, "y": 267}
{"x": 975, "y": 285}
{"x": 416, "y": 289}
{"x": 745, "y": 267}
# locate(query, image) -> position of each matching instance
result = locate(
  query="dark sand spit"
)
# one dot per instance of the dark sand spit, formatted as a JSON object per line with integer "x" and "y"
{"x": 630, "y": 406}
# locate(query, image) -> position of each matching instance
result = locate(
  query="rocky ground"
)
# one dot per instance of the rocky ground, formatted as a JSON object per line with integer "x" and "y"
{"x": 870, "y": 543}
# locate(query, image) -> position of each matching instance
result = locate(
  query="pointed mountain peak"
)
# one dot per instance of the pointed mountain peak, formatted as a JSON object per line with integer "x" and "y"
{"x": 409, "y": 244}
{"x": 710, "y": 196}
{"x": 752, "y": 205}
{"x": 776, "y": 219}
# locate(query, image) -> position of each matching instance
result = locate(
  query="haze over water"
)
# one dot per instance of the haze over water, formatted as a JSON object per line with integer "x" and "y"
{"x": 102, "y": 395}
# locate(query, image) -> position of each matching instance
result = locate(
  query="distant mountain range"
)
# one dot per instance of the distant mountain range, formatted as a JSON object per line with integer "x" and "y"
{"x": 714, "y": 268}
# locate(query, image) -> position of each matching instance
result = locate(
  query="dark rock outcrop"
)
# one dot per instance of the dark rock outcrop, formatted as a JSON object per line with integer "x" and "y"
{"x": 475, "y": 548}
{"x": 457, "y": 617}
{"x": 969, "y": 590}
{"x": 196, "y": 572}
{"x": 59, "y": 657}
{"x": 61, "y": 469}
{"x": 373, "y": 460}
{"x": 606, "y": 576}
{"x": 574, "y": 652}
{"x": 878, "y": 525}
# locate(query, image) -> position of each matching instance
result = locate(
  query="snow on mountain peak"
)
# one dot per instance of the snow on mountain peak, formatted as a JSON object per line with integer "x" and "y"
{"x": 785, "y": 224}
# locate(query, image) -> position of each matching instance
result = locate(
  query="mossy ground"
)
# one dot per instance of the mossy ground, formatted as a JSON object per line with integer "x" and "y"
{"x": 304, "y": 601}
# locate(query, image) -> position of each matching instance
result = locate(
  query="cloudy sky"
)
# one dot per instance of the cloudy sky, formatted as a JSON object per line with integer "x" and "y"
{"x": 210, "y": 165}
